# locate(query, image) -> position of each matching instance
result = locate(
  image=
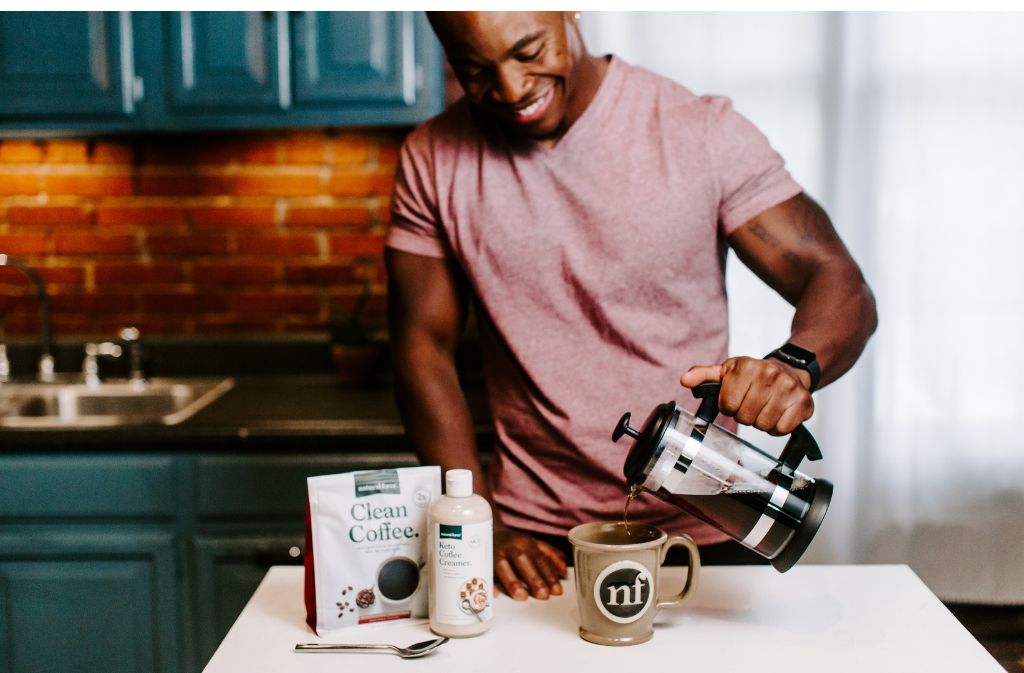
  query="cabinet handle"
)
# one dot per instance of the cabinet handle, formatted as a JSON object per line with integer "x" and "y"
{"x": 284, "y": 57}
{"x": 129, "y": 89}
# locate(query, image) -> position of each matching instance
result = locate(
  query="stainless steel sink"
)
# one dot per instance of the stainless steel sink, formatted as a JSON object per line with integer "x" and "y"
{"x": 107, "y": 404}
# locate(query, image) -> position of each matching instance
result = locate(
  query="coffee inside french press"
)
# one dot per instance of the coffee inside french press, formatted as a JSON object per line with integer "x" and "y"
{"x": 762, "y": 502}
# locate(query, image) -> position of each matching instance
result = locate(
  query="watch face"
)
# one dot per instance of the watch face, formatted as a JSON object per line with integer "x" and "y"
{"x": 796, "y": 352}
{"x": 799, "y": 357}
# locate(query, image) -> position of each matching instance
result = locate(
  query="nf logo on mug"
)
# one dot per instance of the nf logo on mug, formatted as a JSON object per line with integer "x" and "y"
{"x": 622, "y": 591}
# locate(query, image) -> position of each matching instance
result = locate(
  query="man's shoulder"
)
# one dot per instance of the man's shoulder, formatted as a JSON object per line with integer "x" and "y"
{"x": 638, "y": 77}
{"x": 448, "y": 129}
{"x": 641, "y": 83}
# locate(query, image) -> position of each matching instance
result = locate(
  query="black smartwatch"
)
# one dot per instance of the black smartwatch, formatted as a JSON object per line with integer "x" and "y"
{"x": 801, "y": 358}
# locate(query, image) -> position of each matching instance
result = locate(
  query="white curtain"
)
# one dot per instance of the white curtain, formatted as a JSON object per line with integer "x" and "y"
{"x": 909, "y": 129}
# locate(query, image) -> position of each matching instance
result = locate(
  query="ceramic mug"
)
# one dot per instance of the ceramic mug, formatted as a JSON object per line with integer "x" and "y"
{"x": 617, "y": 571}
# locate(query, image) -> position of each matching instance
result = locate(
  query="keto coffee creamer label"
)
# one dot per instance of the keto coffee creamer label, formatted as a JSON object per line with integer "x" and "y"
{"x": 369, "y": 545}
{"x": 464, "y": 573}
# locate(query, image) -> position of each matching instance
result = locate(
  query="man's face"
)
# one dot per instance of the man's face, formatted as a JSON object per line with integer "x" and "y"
{"x": 520, "y": 67}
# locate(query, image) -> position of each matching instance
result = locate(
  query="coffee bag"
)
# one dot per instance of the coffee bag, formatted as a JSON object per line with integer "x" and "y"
{"x": 366, "y": 546}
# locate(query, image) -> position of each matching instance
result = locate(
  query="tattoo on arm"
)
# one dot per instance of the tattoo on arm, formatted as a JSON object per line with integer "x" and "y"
{"x": 762, "y": 233}
{"x": 770, "y": 239}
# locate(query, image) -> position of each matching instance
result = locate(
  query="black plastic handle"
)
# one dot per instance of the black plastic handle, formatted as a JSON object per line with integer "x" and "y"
{"x": 707, "y": 393}
{"x": 623, "y": 429}
{"x": 801, "y": 443}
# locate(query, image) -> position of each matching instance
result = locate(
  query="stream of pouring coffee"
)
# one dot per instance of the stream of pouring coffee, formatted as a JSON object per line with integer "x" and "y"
{"x": 634, "y": 493}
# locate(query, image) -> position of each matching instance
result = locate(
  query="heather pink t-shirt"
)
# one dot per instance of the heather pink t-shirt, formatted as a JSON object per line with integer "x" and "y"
{"x": 598, "y": 270}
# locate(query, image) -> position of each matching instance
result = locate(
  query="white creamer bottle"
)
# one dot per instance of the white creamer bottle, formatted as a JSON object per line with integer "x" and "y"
{"x": 460, "y": 543}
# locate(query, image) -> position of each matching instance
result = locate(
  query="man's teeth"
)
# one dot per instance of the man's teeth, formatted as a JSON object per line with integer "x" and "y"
{"x": 532, "y": 107}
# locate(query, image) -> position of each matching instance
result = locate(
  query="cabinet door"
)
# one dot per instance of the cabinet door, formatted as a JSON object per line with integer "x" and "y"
{"x": 355, "y": 57}
{"x": 82, "y": 600}
{"x": 228, "y": 568}
{"x": 224, "y": 60}
{"x": 72, "y": 64}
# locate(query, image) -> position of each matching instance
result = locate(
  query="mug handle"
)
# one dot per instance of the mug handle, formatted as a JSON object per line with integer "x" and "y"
{"x": 692, "y": 575}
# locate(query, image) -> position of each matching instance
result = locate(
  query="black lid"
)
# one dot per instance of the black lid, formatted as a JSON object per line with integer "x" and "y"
{"x": 648, "y": 441}
{"x": 805, "y": 533}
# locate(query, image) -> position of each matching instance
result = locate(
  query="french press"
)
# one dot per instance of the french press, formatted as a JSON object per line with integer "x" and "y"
{"x": 764, "y": 503}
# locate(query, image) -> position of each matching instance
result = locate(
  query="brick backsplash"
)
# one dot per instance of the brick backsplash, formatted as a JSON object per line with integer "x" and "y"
{"x": 256, "y": 233}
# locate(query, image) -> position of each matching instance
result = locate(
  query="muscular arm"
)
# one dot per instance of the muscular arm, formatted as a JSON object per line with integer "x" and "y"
{"x": 795, "y": 250}
{"x": 426, "y": 315}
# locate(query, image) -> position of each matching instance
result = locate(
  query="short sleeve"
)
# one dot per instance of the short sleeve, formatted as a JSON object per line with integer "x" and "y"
{"x": 751, "y": 175}
{"x": 415, "y": 219}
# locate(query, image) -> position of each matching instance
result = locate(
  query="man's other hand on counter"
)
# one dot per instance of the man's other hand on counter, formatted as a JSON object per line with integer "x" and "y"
{"x": 525, "y": 566}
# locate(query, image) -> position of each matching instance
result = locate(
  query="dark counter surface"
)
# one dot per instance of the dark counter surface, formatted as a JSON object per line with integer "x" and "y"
{"x": 311, "y": 404}
{"x": 306, "y": 411}
{"x": 287, "y": 395}
{"x": 300, "y": 404}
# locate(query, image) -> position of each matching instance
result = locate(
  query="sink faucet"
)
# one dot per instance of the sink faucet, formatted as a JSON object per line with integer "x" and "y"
{"x": 91, "y": 364}
{"x": 130, "y": 337}
{"x": 5, "y": 364}
{"x": 46, "y": 363}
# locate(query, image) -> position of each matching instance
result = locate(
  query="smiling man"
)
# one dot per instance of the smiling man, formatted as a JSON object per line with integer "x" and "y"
{"x": 585, "y": 207}
{"x": 527, "y": 70}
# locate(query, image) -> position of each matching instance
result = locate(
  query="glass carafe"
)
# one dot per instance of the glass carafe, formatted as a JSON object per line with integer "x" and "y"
{"x": 760, "y": 501}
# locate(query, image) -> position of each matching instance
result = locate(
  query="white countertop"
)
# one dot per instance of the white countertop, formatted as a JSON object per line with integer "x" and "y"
{"x": 742, "y": 619}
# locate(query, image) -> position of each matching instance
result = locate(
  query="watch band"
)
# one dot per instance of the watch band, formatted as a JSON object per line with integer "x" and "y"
{"x": 801, "y": 358}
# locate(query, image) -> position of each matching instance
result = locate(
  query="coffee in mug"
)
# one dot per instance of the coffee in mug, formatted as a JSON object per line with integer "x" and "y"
{"x": 617, "y": 579}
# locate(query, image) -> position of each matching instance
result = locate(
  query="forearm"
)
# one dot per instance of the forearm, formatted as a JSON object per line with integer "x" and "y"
{"x": 426, "y": 316}
{"x": 835, "y": 316}
{"x": 434, "y": 411}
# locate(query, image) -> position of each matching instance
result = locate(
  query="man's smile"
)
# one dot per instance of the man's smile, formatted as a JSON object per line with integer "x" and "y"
{"x": 536, "y": 109}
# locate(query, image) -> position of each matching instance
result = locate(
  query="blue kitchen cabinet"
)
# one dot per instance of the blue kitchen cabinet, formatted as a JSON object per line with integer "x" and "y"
{"x": 225, "y": 61}
{"x": 88, "y": 599}
{"x": 97, "y": 72}
{"x": 228, "y": 568}
{"x": 142, "y": 561}
{"x": 72, "y": 65}
{"x": 299, "y": 69}
{"x": 355, "y": 58}
{"x": 88, "y": 563}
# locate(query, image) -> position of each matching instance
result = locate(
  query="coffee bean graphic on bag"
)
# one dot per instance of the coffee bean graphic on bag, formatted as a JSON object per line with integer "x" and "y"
{"x": 366, "y": 546}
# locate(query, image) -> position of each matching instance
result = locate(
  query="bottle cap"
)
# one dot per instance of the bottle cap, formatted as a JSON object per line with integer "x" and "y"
{"x": 458, "y": 483}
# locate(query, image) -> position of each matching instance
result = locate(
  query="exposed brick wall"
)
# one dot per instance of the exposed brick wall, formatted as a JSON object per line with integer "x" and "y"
{"x": 254, "y": 233}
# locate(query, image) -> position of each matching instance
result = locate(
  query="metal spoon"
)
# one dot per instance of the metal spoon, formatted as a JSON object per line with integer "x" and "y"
{"x": 411, "y": 652}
